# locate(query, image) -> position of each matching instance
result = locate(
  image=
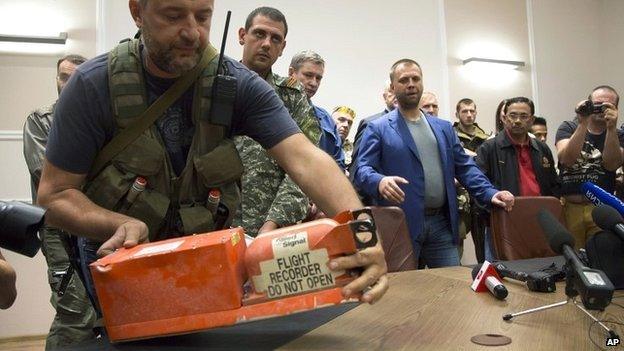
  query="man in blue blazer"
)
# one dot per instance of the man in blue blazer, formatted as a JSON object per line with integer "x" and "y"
{"x": 412, "y": 159}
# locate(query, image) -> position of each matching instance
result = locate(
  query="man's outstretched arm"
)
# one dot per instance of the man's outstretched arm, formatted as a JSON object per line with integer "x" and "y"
{"x": 70, "y": 209}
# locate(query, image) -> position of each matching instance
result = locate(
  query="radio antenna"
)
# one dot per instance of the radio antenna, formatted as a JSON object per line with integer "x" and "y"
{"x": 225, "y": 32}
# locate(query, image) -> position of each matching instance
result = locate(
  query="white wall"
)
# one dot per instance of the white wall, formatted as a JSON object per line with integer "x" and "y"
{"x": 578, "y": 46}
{"x": 612, "y": 32}
{"x": 359, "y": 41}
{"x": 27, "y": 81}
{"x": 486, "y": 29}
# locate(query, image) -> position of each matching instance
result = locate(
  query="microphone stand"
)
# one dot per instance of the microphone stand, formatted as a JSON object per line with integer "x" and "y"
{"x": 571, "y": 294}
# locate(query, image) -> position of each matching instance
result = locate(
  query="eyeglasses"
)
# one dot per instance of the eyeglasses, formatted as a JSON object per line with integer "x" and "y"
{"x": 520, "y": 116}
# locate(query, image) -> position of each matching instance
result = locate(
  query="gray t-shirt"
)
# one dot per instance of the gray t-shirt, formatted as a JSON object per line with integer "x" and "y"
{"x": 427, "y": 146}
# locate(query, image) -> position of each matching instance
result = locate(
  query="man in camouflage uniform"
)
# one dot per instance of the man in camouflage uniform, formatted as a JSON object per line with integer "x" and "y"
{"x": 270, "y": 199}
{"x": 75, "y": 316}
{"x": 471, "y": 136}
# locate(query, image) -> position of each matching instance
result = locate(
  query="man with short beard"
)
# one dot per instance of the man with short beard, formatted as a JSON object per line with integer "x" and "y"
{"x": 187, "y": 153}
{"x": 411, "y": 159}
{"x": 471, "y": 136}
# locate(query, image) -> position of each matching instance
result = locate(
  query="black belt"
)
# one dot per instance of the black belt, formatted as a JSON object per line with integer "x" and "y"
{"x": 433, "y": 211}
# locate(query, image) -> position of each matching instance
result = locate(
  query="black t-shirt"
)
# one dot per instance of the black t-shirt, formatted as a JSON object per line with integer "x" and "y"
{"x": 587, "y": 168}
{"x": 84, "y": 122}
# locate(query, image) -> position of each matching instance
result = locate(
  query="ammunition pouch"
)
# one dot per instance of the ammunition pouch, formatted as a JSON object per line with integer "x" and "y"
{"x": 220, "y": 168}
{"x": 196, "y": 218}
{"x": 108, "y": 189}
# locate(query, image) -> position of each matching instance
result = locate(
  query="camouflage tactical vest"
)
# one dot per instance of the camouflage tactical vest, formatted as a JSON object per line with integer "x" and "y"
{"x": 170, "y": 205}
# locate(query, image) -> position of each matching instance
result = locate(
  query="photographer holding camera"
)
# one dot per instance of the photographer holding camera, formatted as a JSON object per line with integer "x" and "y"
{"x": 7, "y": 284}
{"x": 589, "y": 148}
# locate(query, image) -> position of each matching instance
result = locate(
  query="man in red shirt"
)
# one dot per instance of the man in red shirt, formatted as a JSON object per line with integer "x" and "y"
{"x": 516, "y": 162}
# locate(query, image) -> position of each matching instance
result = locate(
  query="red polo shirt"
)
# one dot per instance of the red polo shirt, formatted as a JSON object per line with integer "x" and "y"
{"x": 527, "y": 182}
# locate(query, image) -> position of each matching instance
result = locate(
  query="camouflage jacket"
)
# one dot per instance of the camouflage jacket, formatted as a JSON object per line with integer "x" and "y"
{"x": 36, "y": 131}
{"x": 347, "y": 149}
{"x": 471, "y": 142}
{"x": 268, "y": 193}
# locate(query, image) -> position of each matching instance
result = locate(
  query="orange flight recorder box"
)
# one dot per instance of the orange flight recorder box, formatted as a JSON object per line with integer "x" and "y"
{"x": 203, "y": 281}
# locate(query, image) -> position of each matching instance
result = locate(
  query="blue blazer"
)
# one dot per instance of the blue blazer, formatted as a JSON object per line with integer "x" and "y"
{"x": 388, "y": 149}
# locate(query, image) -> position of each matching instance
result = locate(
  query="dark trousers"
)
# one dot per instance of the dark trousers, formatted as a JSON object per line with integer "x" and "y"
{"x": 477, "y": 231}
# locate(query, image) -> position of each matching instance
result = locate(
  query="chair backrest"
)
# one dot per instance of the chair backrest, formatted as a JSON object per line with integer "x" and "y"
{"x": 395, "y": 238}
{"x": 517, "y": 234}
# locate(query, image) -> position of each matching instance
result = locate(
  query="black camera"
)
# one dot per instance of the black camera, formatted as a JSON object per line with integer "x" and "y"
{"x": 19, "y": 223}
{"x": 589, "y": 108}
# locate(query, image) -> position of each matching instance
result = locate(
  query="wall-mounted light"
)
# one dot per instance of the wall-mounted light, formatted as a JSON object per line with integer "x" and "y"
{"x": 32, "y": 44}
{"x": 491, "y": 63}
{"x": 61, "y": 39}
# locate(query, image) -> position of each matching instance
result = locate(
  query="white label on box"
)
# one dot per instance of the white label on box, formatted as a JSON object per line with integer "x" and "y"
{"x": 295, "y": 268}
{"x": 150, "y": 250}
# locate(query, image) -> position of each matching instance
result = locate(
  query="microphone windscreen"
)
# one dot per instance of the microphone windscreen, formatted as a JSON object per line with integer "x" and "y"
{"x": 605, "y": 251}
{"x": 606, "y": 217}
{"x": 556, "y": 234}
{"x": 599, "y": 196}
{"x": 475, "y": 271}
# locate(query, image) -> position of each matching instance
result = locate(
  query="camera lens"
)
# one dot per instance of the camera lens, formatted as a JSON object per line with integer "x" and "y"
{"x": 586, "y": 108}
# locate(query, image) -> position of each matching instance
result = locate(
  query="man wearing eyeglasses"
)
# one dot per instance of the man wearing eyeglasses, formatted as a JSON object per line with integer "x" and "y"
{"x": 516, "y": 162}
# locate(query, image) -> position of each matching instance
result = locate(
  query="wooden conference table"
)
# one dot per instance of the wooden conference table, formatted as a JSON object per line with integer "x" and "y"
{"x": 435, "y": 309}
{"x": 432, "y": 309}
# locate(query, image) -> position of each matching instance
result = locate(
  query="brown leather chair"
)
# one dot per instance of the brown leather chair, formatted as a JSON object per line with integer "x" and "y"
{"x": 395, "y": 238}
{"x": 517, "y": 234}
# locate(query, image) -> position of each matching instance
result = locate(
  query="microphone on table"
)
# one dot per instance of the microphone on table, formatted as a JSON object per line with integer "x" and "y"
{"x": 608, "y": 218}
{"x": 605, "y": 249}
{"x": 594, "y": 287}
{"x": 599, "y": 196}
{"x": 484, "y": 277}
{"x": 535, "y": 281}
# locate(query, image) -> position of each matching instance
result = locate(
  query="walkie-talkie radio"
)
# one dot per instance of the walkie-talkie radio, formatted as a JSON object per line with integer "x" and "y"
{"x": 223, "y": 89}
